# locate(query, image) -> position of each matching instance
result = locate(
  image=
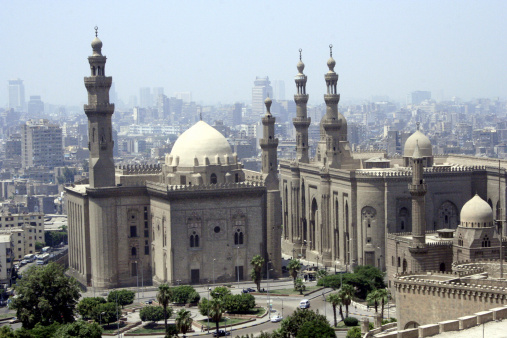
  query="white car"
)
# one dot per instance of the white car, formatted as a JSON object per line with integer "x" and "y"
{"x": 276, "y": 319}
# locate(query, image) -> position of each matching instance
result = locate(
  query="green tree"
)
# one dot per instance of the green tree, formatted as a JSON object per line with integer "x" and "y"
{"x": 299, "y": 285}
{"x": 346, "y": 293}
{"x": 7, "y": 332}
{"x": 106, "y": 313}
{"x": 86, "y": 306}
{"x": 354, "y": 332}
{"x": 321, "y": 273}
{"x": 122, "y": 297}
{"x": 364, "y": 279}
{"x": 220, "y": 292}
{"x": 164, "y": 296}
{"x": 374, "y": 298}
{"x": 45, "y": 295}
{"x": 39, "y": 246}
{"x": 256, "y": 274}
{"x": 241, "y": 303}
{"x": 80, "y": 329}
{"x": 335, "y": 301}
{"x": 183, "y": 321}
{"x": 316, "y": 328}
{"x": 181, "y": 294}
{"x": 294, "y": 267}
{"x": 152, "y": 313}
{"x": 291, "y": 325}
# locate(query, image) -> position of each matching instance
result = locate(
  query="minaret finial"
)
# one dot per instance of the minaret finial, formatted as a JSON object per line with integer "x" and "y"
{"x": 300, "y": 50}
{"x": 331, "y": 50}
{"x": 96, "y": 31}
{"x": 418, "y": 124}
{"x": 200, "y": 116}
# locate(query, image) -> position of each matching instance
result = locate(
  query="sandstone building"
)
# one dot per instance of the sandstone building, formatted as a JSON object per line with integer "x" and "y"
{"x": 199, "y": 217}
{"x": 339, "y": 207}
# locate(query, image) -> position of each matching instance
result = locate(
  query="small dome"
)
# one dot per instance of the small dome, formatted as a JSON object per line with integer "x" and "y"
{"x": 476, "y": 213}
{"x": 418, "y": 138}
{"x": 96, "y": 46}
{"x": 331, "y": 63}
{"x": 268, "y": 101}
{"x": 301, "y": 67}
{"x": 198, "y": 141}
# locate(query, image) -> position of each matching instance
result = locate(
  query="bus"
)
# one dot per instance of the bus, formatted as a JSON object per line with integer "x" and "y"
{"x": 29, "y": 258}
{"x": 46, "y": 249}
{"x": 43, "y": 259}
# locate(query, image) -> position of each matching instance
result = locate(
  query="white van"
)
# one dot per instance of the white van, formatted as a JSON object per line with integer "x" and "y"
{"x": 304, "y": 304}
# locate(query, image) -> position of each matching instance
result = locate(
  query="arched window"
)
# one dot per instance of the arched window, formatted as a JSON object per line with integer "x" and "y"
{"x": 486, "y": 243}
{"x": 196, "y": 241}
{"x": 213, "y": 179}
{"x": 133, "y": 251}
{"x": 238, "y": 237}
{"x": 442, "y": 266}
{"x": 405, "y": 265}
{"x": 399, "y": 262}
{"x": 460, "y": 240}
{"x": 192, "y": 241}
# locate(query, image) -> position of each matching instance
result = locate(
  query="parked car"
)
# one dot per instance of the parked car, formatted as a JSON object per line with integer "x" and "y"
{"x": 14, "y": 320}
{"x": 276, "y": 319}
{"x": 221, "y": 333}
{"x": 247, "y": 290}
{"x": 304, "y": 304}
{"x": 149, "y": 301}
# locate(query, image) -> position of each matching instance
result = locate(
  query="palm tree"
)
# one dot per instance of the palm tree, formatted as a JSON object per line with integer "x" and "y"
{"x": 215, "y": 311}
{"x": 299, "y": 286}
{"x": 294, "y": 267}
{"x": 384, "y": 294}
{"x": 256, "y": 274}
{"x": 346, "y": 292}
{"x": 375, "y": 297}
{"x": 335, "y": 300}
{"x": 183, "y": 321}
{"x": 164, "y": 296}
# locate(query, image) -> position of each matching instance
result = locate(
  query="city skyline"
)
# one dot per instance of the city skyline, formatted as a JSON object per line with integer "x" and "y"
{"x": 215, "y": 51}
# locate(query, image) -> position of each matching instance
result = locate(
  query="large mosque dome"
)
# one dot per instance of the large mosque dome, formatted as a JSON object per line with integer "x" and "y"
{"x": 200, "y": 141}
{"x": 476, "y": 213}
{"x": 418, "y": 138}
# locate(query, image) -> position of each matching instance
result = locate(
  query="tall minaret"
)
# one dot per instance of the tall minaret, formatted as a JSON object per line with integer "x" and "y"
{"x": 269, "y": 145}
{"x": 418, "y": 190}
{"x": 301, "y": 121}
{"x": 99, "y": 112}
{"x": 331, "y": 122}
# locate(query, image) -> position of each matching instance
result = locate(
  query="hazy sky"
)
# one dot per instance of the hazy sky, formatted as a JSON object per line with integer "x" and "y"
{"x": 215, "y": 49}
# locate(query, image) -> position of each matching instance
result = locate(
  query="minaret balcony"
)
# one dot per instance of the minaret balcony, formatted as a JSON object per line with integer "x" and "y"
{"x": 418, "y": 189}
{"x": 331, "y": 125}
{"x": 301, "y": 98}
{"x": 269, "y": 143}
{"x": 301, "y": 121}
{"x": 418, "y": 249}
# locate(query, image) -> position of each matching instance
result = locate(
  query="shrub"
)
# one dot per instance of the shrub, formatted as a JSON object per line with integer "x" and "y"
{"x": 354, "y": 332}
{"x": 239, "y": 303}
{"x": 194, "y": 297}
{"x": 151, "y": 313}
{"x": 351, "y": 321}
{"x": 181, "y": 294}
{"x": 220, "y": 292}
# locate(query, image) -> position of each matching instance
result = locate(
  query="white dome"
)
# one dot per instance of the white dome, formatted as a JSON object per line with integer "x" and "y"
{"x": 418, "y": 138}
{"x": 476, "y": 213}
{"x": 199, "y": 141}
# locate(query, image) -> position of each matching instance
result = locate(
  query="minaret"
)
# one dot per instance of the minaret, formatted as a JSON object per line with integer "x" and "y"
{"x": 99, "y": 112}
{"x": 330, "y": 122}
{"x": 269, "y": 145}
{"x": 418, "y": 190}
{"x": 301, "y": 121}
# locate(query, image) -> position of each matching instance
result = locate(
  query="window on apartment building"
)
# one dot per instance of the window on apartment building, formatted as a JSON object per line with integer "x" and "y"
{"x": 146, "y": 249}
{"x": 19, "y": 241}
{"x": 30, "y": 244}
{"x": 146, "y": 233}
{"x": 19, "y": 249}
{"x": 19, "y": 233}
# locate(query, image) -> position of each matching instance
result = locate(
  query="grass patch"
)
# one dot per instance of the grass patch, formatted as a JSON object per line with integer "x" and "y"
{"x": 7, "y": 315}
{"x": 230, "y": 321}
{"x": 291, "y": 291}
{"x": 112, "y": 328}
{"x": 151, "y": 328}
{"x": 257, "y": 311}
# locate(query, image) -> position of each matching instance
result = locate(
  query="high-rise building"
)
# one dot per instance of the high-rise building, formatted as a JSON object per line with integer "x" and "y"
{"x": 145, "y": 97}
{"x": 279, "y": 90}
{"x": 261, "y": 90}
{"x": 35, "y": 105}
{"x": 186, "y": 97}
{"x": 41, "y": 144}
{"x": 236, "y": 114}
{"x": 418, "y": 96}
{"x": 17, "y": 94}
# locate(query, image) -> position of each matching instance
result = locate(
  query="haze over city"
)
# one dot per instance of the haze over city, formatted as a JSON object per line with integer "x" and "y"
{"x": 216, "y": 49}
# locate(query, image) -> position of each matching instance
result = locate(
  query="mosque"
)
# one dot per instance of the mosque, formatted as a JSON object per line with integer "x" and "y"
{"x": 197, "y": 218}
{"x": 342, "y": 209}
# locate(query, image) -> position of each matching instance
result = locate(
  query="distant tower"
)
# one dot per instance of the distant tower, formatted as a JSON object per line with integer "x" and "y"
{"x": 331, "y": 123}
{"x": 261, "y": 90}
{"x": 99, "y": 112}
{"x": 16, "y": 94}
{"x": 301, "y": 121}
{"x": 269, "y": 145}
{"x": 418, "y": 191}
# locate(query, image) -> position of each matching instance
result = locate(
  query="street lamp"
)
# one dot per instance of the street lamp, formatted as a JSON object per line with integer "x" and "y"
{"x": 100, "y": 316}
{"x": 214, "y": 271}
{"x": 137, "y": 277}
{"x": 237, "y": 264}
